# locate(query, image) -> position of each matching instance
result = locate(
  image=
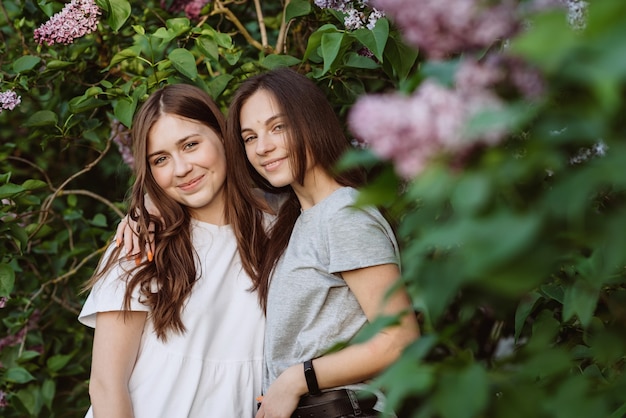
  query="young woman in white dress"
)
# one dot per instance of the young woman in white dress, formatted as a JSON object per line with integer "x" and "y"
{"x": 178, "y": 332}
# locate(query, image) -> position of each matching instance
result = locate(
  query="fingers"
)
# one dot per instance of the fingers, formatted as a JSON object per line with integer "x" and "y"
{"x": 119, "y": 232}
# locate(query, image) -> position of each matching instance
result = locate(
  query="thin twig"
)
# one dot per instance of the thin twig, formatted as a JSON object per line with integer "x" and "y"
{"x": 259, "y": 15}
{"x": 65, "y": 276}
{"x": 282, "y": 32}
{"x": 220, "y": 9}
{"x": 58, "y": 192}
{"x": 35, "y": 166}
{"x": 94, "y": 196}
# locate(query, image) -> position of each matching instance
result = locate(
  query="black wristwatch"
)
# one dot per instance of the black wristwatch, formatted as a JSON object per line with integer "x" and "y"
{"x": 311, "y": 379}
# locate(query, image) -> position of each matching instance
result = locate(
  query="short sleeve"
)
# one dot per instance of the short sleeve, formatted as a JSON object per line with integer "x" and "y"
{"x": 359, "y": 238}
{"x": 107, "y": 295}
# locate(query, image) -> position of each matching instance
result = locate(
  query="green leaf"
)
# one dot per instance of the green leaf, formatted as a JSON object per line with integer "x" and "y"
{"x": 184, "y": 62}
{"x": 119, "y": 13}
{"x": 354, "y": 60}
{"x": 18, "y": 375}
{"x": 124, "y": 109}
{"x": 375, "y": 39}
{"x": 471, "y": 193}
{"x": 469, "y": 389}
{"x": 524, "y": 309}
{"x": 58, "y": 64}
{"x": 99, "y": 220}
{"x": 331, "y": 45}
{"x": 398, "y": 58}
{"x": 25, "y": 63}
{"x": 218, "y": 84}
{"x": 42, "y": 118}
{"x": 19, "y": 235}
{"x": 34, "y": 184}
{"x": 297, "y": 8}
{"x": 56, "y": 363}
{"x": 208, "y": 47}
{"x": 30, "y": 400}
{"x": 580, "y": 299}
{"x": 48, "y": 389}
{"x": 72, "y": 200}
{"x": 132, "y": 52}
{"x": 10, "y": 190}
{"x": 315, "y": 40}
{"x": 7, "y": 280}
{"x": 275, "y": 61}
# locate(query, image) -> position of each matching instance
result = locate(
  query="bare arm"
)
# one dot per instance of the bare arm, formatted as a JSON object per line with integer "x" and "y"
{"x": 358, "y": 362}
{"x": 115, "y": 348}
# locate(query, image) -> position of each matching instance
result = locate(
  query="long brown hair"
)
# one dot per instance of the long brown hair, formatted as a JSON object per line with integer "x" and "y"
{"x": 166, "y": 283}
{"x": 314, "y": 132}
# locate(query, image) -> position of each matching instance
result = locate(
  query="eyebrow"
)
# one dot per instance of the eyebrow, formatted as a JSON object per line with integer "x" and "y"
{"x": 267, "y": 122}
{"x": 180, "y": 141}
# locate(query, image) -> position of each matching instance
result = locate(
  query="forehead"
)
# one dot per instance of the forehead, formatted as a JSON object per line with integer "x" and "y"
{"x": 169, "y": 129}
{"x": 258, "y": 107}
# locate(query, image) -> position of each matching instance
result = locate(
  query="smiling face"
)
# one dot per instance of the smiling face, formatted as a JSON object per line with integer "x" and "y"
{"x": 187, "y": 161}
{"x": 264, "y": 133}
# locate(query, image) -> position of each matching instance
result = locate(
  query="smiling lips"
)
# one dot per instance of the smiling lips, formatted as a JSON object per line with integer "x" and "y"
{"x": 272, "y": 164}
{"x": 190, "y": 184}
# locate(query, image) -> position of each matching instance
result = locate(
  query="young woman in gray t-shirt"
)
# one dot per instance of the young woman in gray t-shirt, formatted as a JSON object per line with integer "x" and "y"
{"x": 328, "y": 265}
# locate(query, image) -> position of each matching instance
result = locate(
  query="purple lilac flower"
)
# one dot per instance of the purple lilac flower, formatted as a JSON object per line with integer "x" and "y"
{"x": 412, "y": 130}
{"x": 441, "y": 28}
{"x": 192, "y": 8}
{"x": 3, "y": 302}
{"x": 598, "y": 149}
{"x": 78, "y": 18}
{"x": 3, "y": 400}
{"x": 358, "y": 13}
{"x": 8, "y": 100}
{"x": 121, "y": 137}
{"x": 576, "y": 10}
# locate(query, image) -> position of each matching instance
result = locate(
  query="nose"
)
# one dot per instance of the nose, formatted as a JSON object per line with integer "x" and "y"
{"x": 181, "y": 166}
{"x": 264, "y": 144}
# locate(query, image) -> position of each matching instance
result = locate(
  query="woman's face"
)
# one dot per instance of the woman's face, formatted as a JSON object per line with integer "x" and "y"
{"x": 188, "y": 162}
{"x": 264, "y": 133}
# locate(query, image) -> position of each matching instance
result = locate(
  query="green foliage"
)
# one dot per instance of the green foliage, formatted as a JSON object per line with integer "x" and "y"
{"x": 515, "y": 262}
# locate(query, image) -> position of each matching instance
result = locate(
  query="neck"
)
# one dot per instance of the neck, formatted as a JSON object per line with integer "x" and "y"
{"x": 215, "y": 213}
{"x": 318, "y": 185}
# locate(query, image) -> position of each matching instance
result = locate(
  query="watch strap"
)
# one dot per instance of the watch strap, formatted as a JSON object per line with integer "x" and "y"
{"x": 311, "y": 378}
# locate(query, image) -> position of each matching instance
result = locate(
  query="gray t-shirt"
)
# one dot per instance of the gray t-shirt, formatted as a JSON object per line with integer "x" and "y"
{"x": 310, "y": 307}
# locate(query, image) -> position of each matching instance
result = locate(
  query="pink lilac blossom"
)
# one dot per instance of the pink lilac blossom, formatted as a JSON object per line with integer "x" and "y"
{"x": 3, "y": 302}
{"x": 122, "y": 138}
{"x": 192, "y": 8}
{"x": 442, "y": 28}
{"x": 510, "y": 76}
{"x": 8, "y": 100}
{"x": 78, "y": 18}
{"x": 412, "y": 130}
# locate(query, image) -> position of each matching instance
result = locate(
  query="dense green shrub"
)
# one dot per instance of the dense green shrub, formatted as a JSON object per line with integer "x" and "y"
{"x": 513, "y": 249}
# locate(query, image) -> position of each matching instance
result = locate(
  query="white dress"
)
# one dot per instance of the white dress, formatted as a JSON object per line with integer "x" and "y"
{"x": 215, "y": 368}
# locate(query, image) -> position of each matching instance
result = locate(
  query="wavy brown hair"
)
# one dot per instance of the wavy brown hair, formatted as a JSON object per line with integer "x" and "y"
{"x": 173, "y": 269}
{"x": 314, "y": 131}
